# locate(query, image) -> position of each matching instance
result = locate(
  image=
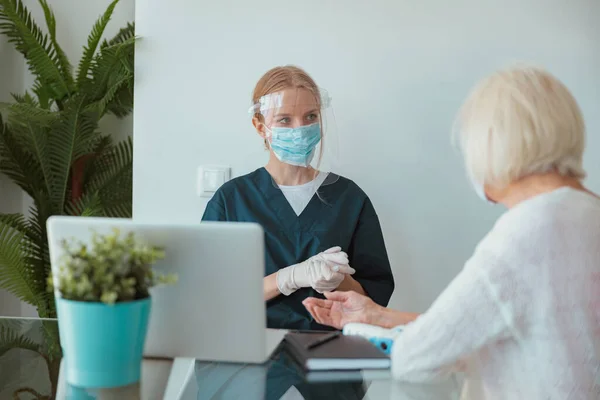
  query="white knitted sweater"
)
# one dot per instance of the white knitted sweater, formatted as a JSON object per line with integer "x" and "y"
{"x": 522, "y": 319}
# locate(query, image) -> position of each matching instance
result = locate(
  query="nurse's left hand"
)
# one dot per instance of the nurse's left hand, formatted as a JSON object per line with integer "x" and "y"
{"x": 326, "y": 270}
{"x": 323, "y": 272}
{"x": 325, "y": 278}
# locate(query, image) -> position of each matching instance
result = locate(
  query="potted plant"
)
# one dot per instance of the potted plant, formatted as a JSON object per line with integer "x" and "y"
{"x": 50, "y": 144}
{"x": 103, "y": 305}
{"x": 51, "y": 147}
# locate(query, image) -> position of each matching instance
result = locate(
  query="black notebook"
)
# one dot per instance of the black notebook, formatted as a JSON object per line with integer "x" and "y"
{"x": 341, "y": 353}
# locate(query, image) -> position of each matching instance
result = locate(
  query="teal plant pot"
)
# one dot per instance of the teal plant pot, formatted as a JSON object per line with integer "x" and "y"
{"x": 102, "y": 345}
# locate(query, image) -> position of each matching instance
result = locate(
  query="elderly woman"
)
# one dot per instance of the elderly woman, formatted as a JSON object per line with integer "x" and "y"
{"x": 522, "y": 319}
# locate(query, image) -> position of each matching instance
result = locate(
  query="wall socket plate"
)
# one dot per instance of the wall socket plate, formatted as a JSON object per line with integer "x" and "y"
{"x": 211, "y": 178}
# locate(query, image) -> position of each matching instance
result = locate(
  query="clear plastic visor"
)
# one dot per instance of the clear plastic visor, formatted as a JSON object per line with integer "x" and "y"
{"x": 299, "y": 127}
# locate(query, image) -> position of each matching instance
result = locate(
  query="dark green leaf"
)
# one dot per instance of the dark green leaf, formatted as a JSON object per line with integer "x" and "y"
{"x": 114, "y": 97}
{"x": 90, "y": 169}
{"x": 16, "y": 274}
{"x": 92, "y": 44}
{"x": 74, "y": 136}
{"x": 9, "y": 340}
{"x": 125, "y": 34}
{"x": 43, "y": 94}
{"x": 111, "y": 84}
{"x": 26, "y": 98}
{"x": 17, "y": 24}
{"x": 88, "y": 206}
{"x": 61, "y": 58}
{"x": 19, "y": 164}
{"x": 113, "y": 179}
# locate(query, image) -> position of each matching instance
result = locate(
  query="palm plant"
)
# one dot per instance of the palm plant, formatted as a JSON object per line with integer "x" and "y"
{"x": 50, "y": 145}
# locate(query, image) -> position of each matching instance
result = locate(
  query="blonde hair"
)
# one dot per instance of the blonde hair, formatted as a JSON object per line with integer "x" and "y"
{"x": 281, "y": 78}
{"x": 517, "y": 122}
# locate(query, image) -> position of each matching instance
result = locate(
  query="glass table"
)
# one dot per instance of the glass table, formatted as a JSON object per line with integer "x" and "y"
{"x": 30, "y": 365}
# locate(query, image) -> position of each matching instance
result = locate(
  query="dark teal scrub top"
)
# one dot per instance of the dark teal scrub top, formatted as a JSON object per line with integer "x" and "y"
{"x": 341, "y": 215}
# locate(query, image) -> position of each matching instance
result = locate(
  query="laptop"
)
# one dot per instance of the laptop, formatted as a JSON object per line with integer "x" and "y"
{"x": 216, "y": 311}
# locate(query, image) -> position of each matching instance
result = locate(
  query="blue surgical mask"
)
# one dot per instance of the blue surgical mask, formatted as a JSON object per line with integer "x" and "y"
{"x": 296, "y": 146}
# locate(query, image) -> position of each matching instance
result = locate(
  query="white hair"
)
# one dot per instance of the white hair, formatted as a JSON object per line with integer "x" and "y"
{"x": 517, "y": 122}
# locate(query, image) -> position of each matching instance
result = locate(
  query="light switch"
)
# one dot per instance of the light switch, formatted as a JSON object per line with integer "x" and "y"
{"x": 211, "y": 178}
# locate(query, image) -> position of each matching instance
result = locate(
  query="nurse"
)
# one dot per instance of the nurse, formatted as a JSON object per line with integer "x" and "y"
{"x": 321, "y": 230}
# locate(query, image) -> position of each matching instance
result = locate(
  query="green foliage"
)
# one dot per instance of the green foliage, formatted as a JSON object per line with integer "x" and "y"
{"x": 11, "y": 339}
{"x": 50, "y": 145}
{"x": 39, "y": 337}
{"x": 18, "y": 273}
{"x": 112, "y": 269}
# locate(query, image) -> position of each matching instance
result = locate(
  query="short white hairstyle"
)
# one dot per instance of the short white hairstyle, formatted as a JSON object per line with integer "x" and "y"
{"x": 517, "y": 122}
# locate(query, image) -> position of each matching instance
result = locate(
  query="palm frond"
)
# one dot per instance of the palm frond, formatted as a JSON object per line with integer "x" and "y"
{"x": 43, "y": 94}
{"x": 111, "y": 72}
{"x": 88, "y": 206}
{"x": 92, "y": 44}
{"x": 27, "y": 112}
{"x": 30, "y": 125}
{"x": 125, "y": 34}
{"x": 122, "y": 102}
{"x": 33, "y": 247}
{"x": 61, "y": 58}
{"x": 9, "y": 339}
{"x": 113, "y": 180}
{"x": 26, "y": 275}
{"x": 115, "y": 98}
{"x": 14, "y": 221}
{"x": 74, "y": 136}
{"x": 18, "y": 25}
{"x": 35, "y": 226}
{"x": 103, "y": 146}
{"x": 36, "y": 232}
{"x": 38, "y": 255}
{"x": 15, "y": 272}
{"x": 51, "y": 346}
{"x": 26, "y": 98}
{"x": 20, "y": 165}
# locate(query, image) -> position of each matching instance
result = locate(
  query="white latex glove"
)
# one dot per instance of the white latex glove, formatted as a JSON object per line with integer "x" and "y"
{"x": 323, "y": 272}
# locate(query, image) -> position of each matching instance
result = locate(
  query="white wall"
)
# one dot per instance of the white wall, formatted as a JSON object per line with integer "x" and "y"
{"x": 397, "y": 72}
{"x": 74, "y": 23}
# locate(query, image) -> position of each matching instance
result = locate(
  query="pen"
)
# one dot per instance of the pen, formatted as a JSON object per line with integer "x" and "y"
{"x": 323, "y": 340}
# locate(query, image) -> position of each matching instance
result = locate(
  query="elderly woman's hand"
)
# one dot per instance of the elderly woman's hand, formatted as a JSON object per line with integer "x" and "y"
{"x": 341, "y": 308}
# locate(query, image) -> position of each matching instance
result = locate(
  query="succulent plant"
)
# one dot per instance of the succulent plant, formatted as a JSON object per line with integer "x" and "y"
{"x": 114, "y": 268}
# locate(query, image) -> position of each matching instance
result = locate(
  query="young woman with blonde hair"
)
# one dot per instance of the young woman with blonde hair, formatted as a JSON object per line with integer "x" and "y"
{"x": 321, "y": 230}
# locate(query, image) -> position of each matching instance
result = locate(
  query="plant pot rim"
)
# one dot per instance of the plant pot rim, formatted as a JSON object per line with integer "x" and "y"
{"x": 101, "y": 304}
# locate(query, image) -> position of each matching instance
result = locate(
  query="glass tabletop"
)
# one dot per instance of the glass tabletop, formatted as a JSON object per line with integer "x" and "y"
{"x": 30, "y": 361}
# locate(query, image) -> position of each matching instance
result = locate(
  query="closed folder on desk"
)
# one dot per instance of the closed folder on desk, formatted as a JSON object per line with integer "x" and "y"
{"x": 342, "y": 353}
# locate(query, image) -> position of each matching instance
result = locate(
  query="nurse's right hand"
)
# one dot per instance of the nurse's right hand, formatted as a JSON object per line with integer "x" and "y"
{"x": 323, "y": 272}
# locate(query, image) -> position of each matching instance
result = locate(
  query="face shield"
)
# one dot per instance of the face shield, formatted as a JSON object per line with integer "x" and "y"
{"x": 299, "y": 127}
